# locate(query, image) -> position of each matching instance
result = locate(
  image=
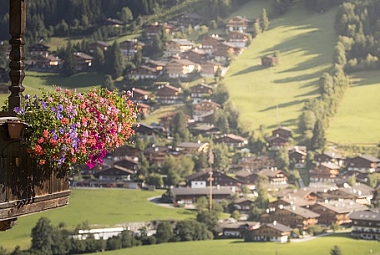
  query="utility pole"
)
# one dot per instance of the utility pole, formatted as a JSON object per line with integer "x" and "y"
{"x": 210, "y": 179}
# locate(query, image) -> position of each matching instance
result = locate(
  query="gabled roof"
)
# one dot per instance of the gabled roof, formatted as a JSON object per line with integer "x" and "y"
{"x": 104, "y": 44}
{"x": 202, "y": 191}
{"x": 182, "y": 61}
{"x": 343, "y": 206}
{"x": 170, "y": 87}
{"x": 191, "y": 145}
{"x": 330, "y": 165}
{"x": 270, "y": 172}
{"x": 332, "y": 154}
{"x": 305, "y": 213}
{"x": 365, "y": 215}
{"x": 242, "y": 200}
{"x": 115, "y": 170}
{"x": 369, "y": 158}
{"x": 141, "y": 91}
{"x": 278, "y": 226}
{"x": 83, "y": 55}
{"x": 182, "y": 41}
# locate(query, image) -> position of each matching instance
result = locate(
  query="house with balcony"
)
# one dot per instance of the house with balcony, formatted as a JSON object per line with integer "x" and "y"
{"x": 196, "y": 55}
{"x": 256, "y": 163}
{"x": 243, "y": 205}
{"x": 219, "y": 179}
{"x": 155, "y": 29}
{"x": 239, "y": 39}
{"x": 297, "y": 155}
{"x": 269, "y": 232}
{"x": 83, "y": 61}
{"x": 210, "y": 68}
{"x": 192, "y": 148}
{"x": 275, "y": 176}
{"x": 181, "y": 68}
{"x": 330, "y": 156}
{"x": 143, "y": 73}
{"x": 38, "y": 49}
{"x": 232, "y": 140}
{"x": 130, "y": 47}
{"x": 168, "y": 94}
{"x": 365, "y": 224}
{"x": 363, "y": 164}
{"x": 140, "y": 95}
{"x": 210, "y": 43}
{"x": 325, "y": 172}
{"x": 291, "y": 216}
{"x": 177, "y": 47}
{"x": 185, "y": 19}
{"x": 238, "y": 23}
{"x": 203, "y": 109}
{"x": 103, "y": 46}
{"x": 336, "y": 211}
{"x": 201, "y": 91}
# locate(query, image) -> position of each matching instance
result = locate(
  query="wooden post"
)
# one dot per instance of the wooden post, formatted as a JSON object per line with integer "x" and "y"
{"x": 17, "y": 27}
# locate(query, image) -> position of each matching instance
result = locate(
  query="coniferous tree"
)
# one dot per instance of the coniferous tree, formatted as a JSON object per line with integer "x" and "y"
{"x": 69, "y": 65}
{"x": 108, "y": 83}
{"x": 114, "y": 61}
{"x": 42, "y": 236}
{"x": 264, "y": 21}
{"x": 318, "y": 141}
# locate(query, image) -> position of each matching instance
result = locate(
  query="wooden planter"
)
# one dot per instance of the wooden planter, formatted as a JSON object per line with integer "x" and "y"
{"x": 26, "y": 188}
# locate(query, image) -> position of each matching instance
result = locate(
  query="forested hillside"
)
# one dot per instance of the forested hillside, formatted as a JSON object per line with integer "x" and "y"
{"x": 47, "y": 18}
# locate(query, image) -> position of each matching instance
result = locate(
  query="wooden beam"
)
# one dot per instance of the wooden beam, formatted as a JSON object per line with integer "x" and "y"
{"x": 18, "y": 208}
{"x": 17, "y": 28}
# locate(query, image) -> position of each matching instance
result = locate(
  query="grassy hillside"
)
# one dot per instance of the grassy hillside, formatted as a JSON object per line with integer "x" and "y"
{"x": 100, "y": 207}
{"x": 357, "y": 120}
{"x": 273, "y": 96}
{"x": 319, "y": 246}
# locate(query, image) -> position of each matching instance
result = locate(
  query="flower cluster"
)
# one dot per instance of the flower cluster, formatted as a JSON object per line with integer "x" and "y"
{"x": 76, "y": 128}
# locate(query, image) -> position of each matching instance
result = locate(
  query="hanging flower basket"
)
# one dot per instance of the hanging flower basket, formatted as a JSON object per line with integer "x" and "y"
{"x": 70, "y": 128}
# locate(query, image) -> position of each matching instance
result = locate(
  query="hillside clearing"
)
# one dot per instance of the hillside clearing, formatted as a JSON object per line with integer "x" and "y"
{"x": 275, "y": 96}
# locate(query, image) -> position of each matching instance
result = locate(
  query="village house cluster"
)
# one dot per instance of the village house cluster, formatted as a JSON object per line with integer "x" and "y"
{"x": 329, "y": 199}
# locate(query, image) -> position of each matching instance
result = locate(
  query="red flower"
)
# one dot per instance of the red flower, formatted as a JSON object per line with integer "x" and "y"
{"x": 40, "y": 140}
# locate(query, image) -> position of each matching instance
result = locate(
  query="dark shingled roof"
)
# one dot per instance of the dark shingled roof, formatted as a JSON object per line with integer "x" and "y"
{"x": 365, "y": 215}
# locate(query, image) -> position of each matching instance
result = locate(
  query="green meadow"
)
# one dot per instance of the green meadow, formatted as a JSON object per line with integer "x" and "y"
{"x": 98, "y": 207}
{"x": 275, "y": 96}
{"x": 319, "y": 246}
{"x": 357, "y": 120}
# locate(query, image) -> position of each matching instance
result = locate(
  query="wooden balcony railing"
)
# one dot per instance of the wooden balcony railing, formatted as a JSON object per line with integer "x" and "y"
{"x": 25, "y": 188}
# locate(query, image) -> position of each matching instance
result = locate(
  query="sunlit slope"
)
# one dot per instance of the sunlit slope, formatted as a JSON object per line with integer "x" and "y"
{"x": 272, "y": 96}
{"x": 358, "y": 118}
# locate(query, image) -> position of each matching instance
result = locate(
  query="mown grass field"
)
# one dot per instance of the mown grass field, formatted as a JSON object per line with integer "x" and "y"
{"x": 319, "y": 246}
{"x": 358, "y": 118}
{"x": 275, "y": 96}
{"x": 100, "y": 208}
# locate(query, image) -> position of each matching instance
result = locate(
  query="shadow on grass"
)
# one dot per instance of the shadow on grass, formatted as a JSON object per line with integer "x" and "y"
{"x": 282, "y": 105}
{"x": 79, "y": 80}
{"x": 250, "y": 70}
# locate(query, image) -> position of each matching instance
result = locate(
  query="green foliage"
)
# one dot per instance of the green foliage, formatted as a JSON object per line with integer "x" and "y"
{"x": 114, "y": 61}
{"x": 42, "y": 235}
{"x": 164, "y": 232}
{"x": 69, "y": 64}
{"x": 335, "y": 251}
{"x": 108, "y": 83}
{"x": 318, "y": 141}
{"x": 191, "y": 230}
{"x": 221, "y": 160}
{"x": 264, "y": 21}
